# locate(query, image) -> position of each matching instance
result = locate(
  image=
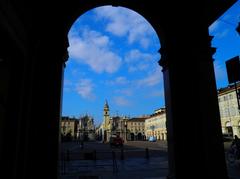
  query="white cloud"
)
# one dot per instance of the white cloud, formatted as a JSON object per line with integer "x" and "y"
{"x": 220, "y": 72}
{"x": 156, "y": 93}
{"x": 67, "y": 82}
{"x": 221, "y": 34}
{"x": 213, "y": 27}
{"x": 217, "y": 30}
{"x": 135, "y": 55}
{"x": 127, "y": 92}
{"x": 139, "y": 61}
{"x": 121, "y": 101}
{"x": 121, "y": 80}
{"x": 85, "y": 89}
{"x": 152, "y": 79}
{"x": 93, "y": 48}
{"x": 138, "y": 67}
{"x": 125, "y": 22}
{"x": 67, "y": 85}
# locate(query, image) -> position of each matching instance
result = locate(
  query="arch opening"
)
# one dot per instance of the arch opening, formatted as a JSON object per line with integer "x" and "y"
{"x": 113, "y": 57}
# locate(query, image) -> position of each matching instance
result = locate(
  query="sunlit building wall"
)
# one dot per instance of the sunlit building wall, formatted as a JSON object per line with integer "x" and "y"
{"x": 136, "y": 128}
{"x": 229, "y": 113}
{"x": 69, "y": 126}
{"x": 155, "y": 125}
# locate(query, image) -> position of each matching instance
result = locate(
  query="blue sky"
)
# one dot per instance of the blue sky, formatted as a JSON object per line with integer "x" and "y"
{"x": 113, "y": 56}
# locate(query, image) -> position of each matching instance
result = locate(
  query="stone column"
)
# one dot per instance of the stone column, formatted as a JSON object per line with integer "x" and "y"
{"x": 193, "y": 120}
{"x": 42, "y": 132}
{"x": 108, "y": 135}
{"x": 161, "y": 136}
{"x": 164, "y": 136}
{"x": 102, "y": 135}
{"x": 223, "y": 129}
{"x": 12, "y": 103}
{"x": 236, "y": 130}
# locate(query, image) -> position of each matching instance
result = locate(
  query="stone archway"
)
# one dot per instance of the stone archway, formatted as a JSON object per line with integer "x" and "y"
{"x": 229, "y": 128}
{"x": 187, "y": 58}
{"x": 132, "y": 136}
{"x": 239, "y": 129}
{"x": 139, "y": 136}
{"x": 35, "y": 45}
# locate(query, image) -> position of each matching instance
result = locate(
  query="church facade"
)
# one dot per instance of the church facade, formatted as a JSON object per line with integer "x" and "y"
{"x": 86, "y": 128}
{"x": 112, "y": 126}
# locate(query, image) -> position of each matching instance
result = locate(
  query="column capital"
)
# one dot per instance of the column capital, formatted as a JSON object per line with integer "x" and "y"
{"x": 65, "y": 54}
{"x": 186, "y": 53}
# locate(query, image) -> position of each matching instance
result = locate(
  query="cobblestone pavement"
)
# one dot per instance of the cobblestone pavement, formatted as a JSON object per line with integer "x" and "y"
{"x": 134, "y": 162}
{"x": 139, "y": 168}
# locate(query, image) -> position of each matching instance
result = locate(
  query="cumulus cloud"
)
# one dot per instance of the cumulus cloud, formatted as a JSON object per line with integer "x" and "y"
{"x": 67, "y": 85}
{"x": 139, "y": 61}
{"x": 156, "y": 93}
{"x": 125, "y": 22}
{"x": 121, "y": 101}
{"x": 121, "y": 80}
{"x": 220, "y": 72}
{"x": 217, "y": 30}
{"x": 85, "y": 89}
{"x": 222, "y": 33}
{"x": 152, "y": 79}
{"x": 93, "y": 48}
{"x": 127, "y": 92}
{"x": 135, "y": 55}
{"x": 213, "y": 27}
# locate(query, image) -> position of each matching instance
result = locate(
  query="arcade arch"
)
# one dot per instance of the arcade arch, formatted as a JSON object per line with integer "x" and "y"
{"x": 43, "y": 36}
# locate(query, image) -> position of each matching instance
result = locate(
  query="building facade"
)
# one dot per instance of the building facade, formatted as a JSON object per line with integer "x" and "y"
{"x": 69, "y": 128}
{"x": 136, "y": 128}
{"x": 155, "y": 125}
{"x": 86, "y": 128}
{"x": 112, "y": 126}
{"x": 229, "y": 112}
{"x": 24, "y": 69}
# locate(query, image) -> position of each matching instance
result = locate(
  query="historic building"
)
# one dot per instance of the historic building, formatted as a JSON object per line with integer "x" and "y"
{"x": 136, "y": 128}
{"x": 155, "y": 125}
{"x": 69, "y": 128}
{"x": 74, "y": 128}
{"x": 34, "y": 52}
{"x": 229, "y": 112}
{"x": 106, "y": 127}
{"x": 112, "y": 126}
{"x": 86, "y": 128}
{"x": 118, "y": 126}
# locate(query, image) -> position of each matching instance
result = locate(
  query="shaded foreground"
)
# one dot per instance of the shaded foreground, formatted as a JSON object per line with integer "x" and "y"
{"x": 138, "y": 159}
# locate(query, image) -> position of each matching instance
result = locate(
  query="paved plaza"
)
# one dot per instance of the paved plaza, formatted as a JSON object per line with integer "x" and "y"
{"x": 131, "y": 161}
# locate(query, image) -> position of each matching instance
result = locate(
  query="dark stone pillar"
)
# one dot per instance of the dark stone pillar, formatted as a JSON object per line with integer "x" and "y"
{"x": 195, "y": 144}
{"x": 12, "y": 70}
{"x": 44, "y": 109}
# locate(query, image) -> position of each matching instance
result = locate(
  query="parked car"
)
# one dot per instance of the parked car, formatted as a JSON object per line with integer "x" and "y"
{"x": 152, "y": 139}
{"x": 116, "y": 141}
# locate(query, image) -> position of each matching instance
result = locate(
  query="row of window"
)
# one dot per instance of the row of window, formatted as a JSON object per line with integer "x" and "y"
{"x": 139, "y": 129}
{"x": 226, "y": 97}
{"x": 137, "y": 123}
{"x": 231, "y": 111}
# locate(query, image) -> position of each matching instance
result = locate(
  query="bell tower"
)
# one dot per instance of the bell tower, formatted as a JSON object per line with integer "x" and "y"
{"x": 106, "y": 116}
{"x": 106, "y": 109}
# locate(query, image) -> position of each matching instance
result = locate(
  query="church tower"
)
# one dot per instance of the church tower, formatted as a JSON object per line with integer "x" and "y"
{"x": 106, "y": 115}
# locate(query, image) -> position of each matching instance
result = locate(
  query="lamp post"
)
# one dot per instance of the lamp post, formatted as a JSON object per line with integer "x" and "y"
{"x": 125, "y": 125}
